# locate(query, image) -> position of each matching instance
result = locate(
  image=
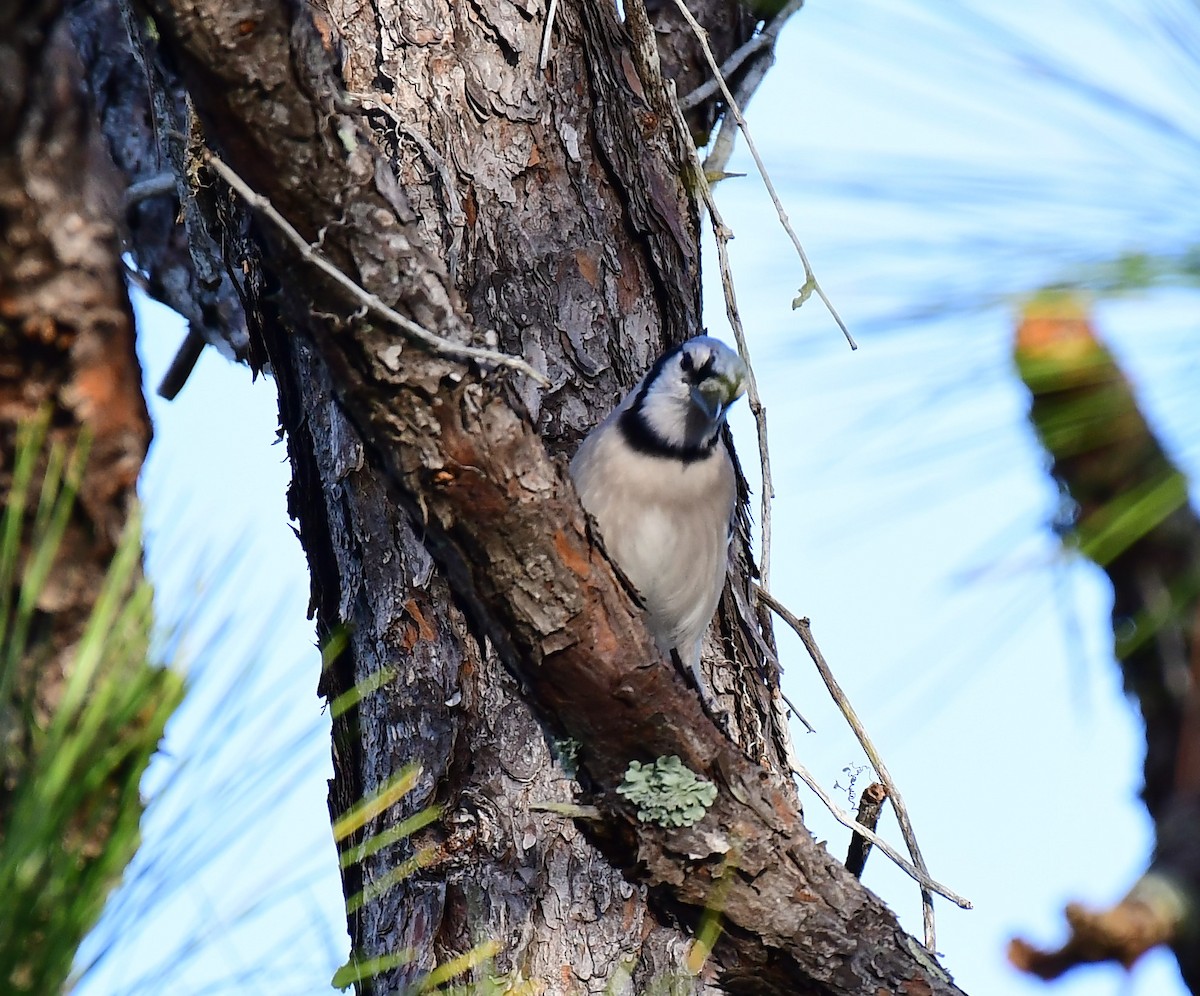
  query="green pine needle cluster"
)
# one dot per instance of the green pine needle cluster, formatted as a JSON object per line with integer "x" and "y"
{"x": 70, "y": 804}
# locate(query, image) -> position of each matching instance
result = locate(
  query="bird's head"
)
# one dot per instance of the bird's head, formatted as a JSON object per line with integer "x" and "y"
{"x": 681, "y": 403}
{"x": 715, "y": 375}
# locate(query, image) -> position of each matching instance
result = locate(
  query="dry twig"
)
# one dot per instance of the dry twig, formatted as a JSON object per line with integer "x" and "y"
{"x": 845, "y": 819}
{"x": 722, "y": 234}
{"x": 417, "y": 333}
{"x": 764, "y": 41}
{"x": 744, "y": 89}
{"x": 802, "y": 630}
{"x": 810, "y": 279}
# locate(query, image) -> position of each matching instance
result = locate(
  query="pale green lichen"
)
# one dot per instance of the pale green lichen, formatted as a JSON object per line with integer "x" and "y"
{"x": 666, "y": 792}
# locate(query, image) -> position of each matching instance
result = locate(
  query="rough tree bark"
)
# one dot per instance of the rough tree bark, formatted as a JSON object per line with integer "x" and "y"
{"x": 421, "y": 148}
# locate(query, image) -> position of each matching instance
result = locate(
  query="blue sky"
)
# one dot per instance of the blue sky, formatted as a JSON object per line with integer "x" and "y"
{"x": 927, "y": 169}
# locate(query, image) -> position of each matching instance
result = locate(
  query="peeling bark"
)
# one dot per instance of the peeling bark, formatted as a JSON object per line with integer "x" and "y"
{"x": 145, "y": 120}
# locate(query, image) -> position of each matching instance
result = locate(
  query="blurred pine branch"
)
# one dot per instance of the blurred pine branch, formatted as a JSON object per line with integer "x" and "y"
{"x": 70, "y": 804}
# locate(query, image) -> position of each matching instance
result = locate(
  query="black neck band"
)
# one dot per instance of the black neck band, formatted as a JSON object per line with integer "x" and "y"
{"x": 643, "y": 439}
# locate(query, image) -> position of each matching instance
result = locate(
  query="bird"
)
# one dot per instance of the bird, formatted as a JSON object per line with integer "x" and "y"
{"x": 658, "y": 478}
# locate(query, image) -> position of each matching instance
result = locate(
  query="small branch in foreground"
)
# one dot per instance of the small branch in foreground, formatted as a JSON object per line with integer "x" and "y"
{"x": 870, "y": 806}
{"x": 810, "y": 279}
{"x": 709, "y": 87}
{"x": 804, "y": 631}
{"x": 745, "y": 88}
{"x": 417, "y": 333}
{"x": 1131, "y": 517}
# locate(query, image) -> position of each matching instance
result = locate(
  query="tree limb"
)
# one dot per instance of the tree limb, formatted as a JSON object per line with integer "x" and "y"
{"x": 1127, "y": 511}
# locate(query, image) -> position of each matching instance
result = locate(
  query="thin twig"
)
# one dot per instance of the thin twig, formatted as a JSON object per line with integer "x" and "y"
{"x": 544, "y": 54}
{"x": 921, "y": 878}
{"x": 418, "y": 333}
{"x": 153, "y": 186}
{"x": 710, "y": 86}
{"x": 721, "y": 150}
{"x": 870, "y": 806}
{"x": 765, "y": 39}
{"x": 810, "y": 279}
{"x": 797, "y": 713}
{"x": 803, "y": 631}
{"x": 722, "y": 234}
{"x": 768, "y": 656}
{"x": 744, "y": 89}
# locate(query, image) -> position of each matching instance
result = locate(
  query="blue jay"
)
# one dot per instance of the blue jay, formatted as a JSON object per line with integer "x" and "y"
{"x": 658, "y": 477}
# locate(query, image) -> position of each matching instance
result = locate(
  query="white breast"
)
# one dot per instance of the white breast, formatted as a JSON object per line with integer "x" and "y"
{"x": 666, "y": 525}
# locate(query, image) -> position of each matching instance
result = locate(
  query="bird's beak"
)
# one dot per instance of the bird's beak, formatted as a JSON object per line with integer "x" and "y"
{"x": 716, "y": 394}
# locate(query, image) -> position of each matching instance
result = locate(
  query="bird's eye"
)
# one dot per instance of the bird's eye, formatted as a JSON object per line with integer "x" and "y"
{"x": 685, "y": 362}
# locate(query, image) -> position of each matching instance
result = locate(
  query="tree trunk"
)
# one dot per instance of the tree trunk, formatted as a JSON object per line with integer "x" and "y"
{"x": 548, "y": 214}
{"x": 73, "y": 434}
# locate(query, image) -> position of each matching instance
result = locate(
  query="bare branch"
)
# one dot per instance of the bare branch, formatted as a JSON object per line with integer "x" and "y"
{"x": 1132, "y": 518}
{"x": 810, "y": 279}
{"x": 848, "y": 821}
{"x": 706, "y": 90}
{"x": 1150, "y": 915}
{"x": 804, "y": 631}
{"x": 431, "y": 342}
{"x": 722, "y": 234}
{"x": 764, "y": 40}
